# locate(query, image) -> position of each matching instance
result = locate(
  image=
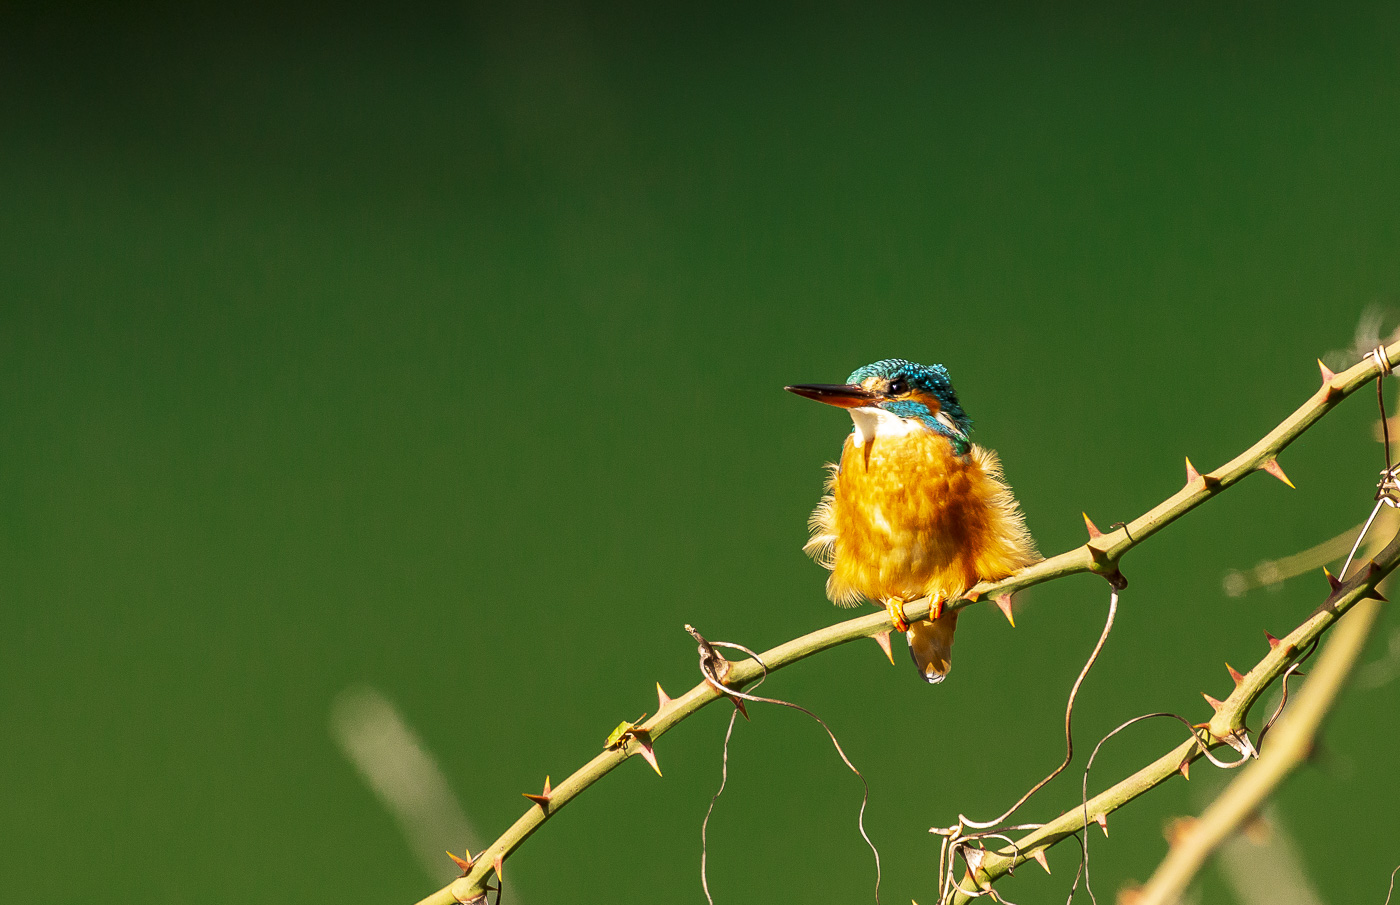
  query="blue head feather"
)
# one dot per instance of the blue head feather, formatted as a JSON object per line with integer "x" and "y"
{"x": 928, "y": 379}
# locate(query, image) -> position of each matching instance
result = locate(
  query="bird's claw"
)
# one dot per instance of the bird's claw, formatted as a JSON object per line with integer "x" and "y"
{"x": 896, "y": 611}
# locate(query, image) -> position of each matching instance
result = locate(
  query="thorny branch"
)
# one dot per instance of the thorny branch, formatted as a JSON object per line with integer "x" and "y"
{"x": 1288, "y": 748}
{"x": 1227, "y": 727}
{"x": 971, "y": 846}
{"x": 1293, "y": 743}
{"x": 1272, "y": 573}
{"x": 1100, "y": 555}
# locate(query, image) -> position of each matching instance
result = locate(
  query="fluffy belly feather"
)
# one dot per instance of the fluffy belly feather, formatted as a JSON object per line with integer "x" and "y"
{"x": 905, "y": 518}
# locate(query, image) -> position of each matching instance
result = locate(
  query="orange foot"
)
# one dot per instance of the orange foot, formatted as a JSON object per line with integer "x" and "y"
{"x": 896, "y": 611}
{"x": 935, "y": 609}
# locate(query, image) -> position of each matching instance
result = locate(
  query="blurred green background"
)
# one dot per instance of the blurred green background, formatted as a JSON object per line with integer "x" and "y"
{"x": 440, "y": 351}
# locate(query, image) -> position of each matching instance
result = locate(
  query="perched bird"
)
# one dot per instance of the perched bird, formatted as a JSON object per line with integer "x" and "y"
{"x": 914, "y": 509}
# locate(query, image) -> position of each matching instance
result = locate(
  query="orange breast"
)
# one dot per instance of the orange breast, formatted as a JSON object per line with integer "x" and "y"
{"x": 907, "y": 518}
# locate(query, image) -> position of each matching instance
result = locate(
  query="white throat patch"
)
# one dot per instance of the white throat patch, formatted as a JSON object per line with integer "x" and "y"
{"x": 872, "y": 422}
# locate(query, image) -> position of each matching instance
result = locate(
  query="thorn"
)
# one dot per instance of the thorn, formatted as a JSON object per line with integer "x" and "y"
{"x": 1372, "y": 571}
{"x": 1211, "y": 481}
{"x": 1004, "y": 604}
{"x": 739, "y": 706}
{"x": 1272, "y": 467}
{"x": 1332, "y": 580}
{"x": 1039, "y": 856}
{"x": 1184, "y": 768}
{"x": 643, "y": 738}
{"x": 1273, "y": 642}
{"x": 1093, "y": 529}
{"x": 883, "y": 639}
{"x": 464, "y": 863}
{"x": 1330, "y": 392}
{"x": 1234, "y": 674}
{"x": 1102, "y": 821}
{"x": 541, "y": 799}
{"x": 972, "y": 597}
{"x": 1214, "y": 704}
{"x": 662, "y": 698}
{"x": 498, "y": 865}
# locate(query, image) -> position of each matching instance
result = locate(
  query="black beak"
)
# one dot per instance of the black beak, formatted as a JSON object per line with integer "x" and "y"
{"x": 845, "y": 395}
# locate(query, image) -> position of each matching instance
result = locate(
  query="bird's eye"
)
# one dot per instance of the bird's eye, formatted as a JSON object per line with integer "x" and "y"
{"x": 896, "y": 388}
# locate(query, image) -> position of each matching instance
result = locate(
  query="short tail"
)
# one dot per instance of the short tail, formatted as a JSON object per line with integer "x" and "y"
{"x": 931, "y": 646}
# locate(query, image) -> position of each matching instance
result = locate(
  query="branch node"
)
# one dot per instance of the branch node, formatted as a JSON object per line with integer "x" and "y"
{"x": 714, "y": 666}
{"x": 1239, "y": 740}
{"x": 974, "y": 856}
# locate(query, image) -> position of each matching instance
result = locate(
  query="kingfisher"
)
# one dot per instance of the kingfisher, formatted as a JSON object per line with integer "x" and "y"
{"x": 914, "y": 508}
